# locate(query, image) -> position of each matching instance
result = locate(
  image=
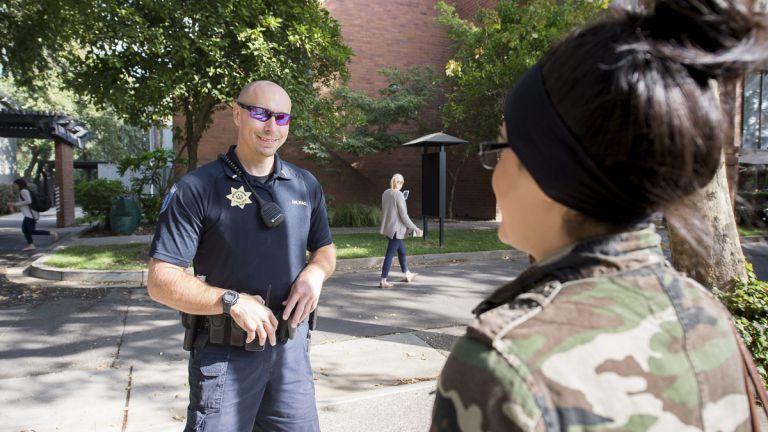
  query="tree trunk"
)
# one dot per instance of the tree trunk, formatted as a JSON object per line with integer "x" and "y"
{"x": 45, "y": 154}
{"x": 197, "y": 118}
{"x": 733, "y": 107}
{"x": 454, "y": 180}
{"x": 703, "y": 237}
{"x": 191, "y": 153}
{"x": 189, "y": 137}
{"x": 36, "y": 151}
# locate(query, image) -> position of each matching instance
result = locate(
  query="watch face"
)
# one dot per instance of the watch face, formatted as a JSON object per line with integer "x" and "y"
{"x": 229, "y": 297}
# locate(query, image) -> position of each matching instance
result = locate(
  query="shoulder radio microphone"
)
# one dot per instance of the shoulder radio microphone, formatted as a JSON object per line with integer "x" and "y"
{"x": 271, "y": 214}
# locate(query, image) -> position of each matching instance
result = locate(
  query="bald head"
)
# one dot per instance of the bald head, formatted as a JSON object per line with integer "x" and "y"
{"x": 259, "y": 137}
{"x": 256, "y": 91}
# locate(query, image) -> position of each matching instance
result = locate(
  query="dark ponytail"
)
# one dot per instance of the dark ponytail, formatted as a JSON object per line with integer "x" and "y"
{"x": 638, "y": 91}
{"x": 21, "y": 183}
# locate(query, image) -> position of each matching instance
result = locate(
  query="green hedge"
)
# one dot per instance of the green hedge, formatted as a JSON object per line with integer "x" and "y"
{"x": 6, "y": 195}
{"x": 748, "y": 303}
{"x": 95, "y": 197}
{"x": 355, "y": 215}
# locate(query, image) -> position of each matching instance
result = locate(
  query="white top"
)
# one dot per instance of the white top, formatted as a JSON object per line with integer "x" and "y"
{"x": 25, "y": 203}
{"x": 395, "y": 222}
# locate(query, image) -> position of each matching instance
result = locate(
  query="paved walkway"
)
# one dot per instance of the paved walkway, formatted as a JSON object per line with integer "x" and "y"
{"x": 110, "y": 359}
{"x": 11, "y": 238}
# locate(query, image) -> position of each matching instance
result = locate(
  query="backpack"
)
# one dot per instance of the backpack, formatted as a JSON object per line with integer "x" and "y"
{"x": 40, "y": 202}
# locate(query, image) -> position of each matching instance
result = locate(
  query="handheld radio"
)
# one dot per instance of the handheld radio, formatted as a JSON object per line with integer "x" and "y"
{"x": 271, "y": 214}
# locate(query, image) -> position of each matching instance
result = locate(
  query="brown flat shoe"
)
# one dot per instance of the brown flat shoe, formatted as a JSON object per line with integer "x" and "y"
{"x": 385, "y": 285}
{"x": 409, "y": 277}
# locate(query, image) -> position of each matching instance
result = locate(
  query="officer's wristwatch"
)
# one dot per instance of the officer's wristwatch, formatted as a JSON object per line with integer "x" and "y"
{"x": 229, "y": 299}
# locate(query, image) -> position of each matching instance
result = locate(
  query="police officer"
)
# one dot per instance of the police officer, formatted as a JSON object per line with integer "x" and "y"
{"x": 615, "y": 123}
{"x": 249, "y": 267}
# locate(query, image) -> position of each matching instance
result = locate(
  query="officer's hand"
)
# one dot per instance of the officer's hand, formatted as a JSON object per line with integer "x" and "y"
{"x": 256, "y": 319}
{"x": 305, "y": 293}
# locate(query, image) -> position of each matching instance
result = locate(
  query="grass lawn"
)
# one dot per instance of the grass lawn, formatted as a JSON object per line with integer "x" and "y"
{"x": 364, "y": 245}
{"x": 372, "y": 244}
{"x": 132, "y": 256}
{"x": 751, "y": 231}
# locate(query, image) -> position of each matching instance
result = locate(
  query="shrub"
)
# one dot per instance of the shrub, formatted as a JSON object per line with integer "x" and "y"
{"x": 150, "y": 207}
{"x": 150, "y": 168}
{"x": 95, "y": 197}
{"x": 6, "y": 196}
{"x": 748, "y": 303}
{"x": 356, "y": 215}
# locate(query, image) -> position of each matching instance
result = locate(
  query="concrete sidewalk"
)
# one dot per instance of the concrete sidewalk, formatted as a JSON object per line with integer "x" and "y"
{"x": 11, "y": 238}
{"x": 110, "y": 359}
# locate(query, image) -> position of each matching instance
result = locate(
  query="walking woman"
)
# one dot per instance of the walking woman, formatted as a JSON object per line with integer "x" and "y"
{"x": 28, "y": 226}
{"x": 395, "y": 225}
{"x": 617, "y": 122}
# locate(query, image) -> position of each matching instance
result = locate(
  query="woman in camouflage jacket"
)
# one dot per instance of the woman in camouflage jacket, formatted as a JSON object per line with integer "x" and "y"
{"x": 616, "y": 123}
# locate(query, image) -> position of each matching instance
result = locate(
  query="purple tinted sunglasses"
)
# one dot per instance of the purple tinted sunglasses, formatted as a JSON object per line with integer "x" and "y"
{"x": 263, "y": 114}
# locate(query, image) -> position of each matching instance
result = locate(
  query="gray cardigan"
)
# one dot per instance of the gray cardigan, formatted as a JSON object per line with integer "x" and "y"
{"x": 395, "y": 221}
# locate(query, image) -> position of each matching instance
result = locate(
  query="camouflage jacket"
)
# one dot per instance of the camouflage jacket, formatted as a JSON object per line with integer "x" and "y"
{"x": 606, "y": 337}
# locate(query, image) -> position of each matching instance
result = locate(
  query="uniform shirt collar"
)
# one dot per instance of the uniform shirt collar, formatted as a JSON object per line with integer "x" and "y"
{"x": 281, "y": 170}
{"x": 600, "y": 256}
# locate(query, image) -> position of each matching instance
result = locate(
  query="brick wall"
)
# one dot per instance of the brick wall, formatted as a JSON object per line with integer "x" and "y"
{"x": 468, "y": 8}
{"x": 395, "y": 33}
{"x": 403, "y": 33}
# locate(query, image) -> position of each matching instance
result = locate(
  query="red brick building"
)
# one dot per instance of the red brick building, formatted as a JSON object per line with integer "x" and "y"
{"x": 383, "y": 34}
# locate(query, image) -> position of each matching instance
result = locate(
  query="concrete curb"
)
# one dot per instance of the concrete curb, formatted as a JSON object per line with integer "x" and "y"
{"x": 39, "y": 270}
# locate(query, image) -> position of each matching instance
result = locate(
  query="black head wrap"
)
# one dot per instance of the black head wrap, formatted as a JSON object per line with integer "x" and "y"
{"x": 557, "y": 162}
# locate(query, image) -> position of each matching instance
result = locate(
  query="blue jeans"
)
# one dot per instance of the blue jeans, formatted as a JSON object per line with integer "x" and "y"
{"x": 234, "y": 390}
{"x": 28, "y": 228}
{"x": 394, "y": 245}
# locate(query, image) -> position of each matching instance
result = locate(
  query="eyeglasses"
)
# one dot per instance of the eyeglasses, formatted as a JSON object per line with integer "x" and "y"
{"x": 490, "y": 152}
{"x": 263, "y": 114}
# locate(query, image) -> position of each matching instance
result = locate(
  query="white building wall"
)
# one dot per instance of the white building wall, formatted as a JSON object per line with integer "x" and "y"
{"x": 8, "y": 160}
{"x": 109, "y": 171}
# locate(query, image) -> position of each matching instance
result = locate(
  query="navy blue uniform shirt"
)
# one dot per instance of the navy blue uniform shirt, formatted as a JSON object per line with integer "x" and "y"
{"x": 210, "y": 220}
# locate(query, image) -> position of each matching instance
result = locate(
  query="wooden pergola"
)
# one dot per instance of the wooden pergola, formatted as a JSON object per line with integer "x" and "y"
{"x": 67, "y": 133}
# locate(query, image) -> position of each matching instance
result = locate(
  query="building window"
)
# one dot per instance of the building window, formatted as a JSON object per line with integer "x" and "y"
{"x": 755, "y": 121}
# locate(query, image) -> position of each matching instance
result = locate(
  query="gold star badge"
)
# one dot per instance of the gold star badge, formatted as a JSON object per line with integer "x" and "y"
{"x": 239, "y": 197}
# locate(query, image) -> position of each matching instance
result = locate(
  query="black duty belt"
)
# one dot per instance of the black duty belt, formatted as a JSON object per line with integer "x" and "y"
{"x": 223, "y": 330}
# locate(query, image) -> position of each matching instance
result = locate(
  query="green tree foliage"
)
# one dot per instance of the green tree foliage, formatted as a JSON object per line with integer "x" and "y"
{"x": 30, "y": 32}
{"x": 494, "y": 50}
{"x": 376, "y": 124}
{"x": 151, "y": 60}
{"x": 111, "y": 138}
{"x": 748, "y": 302}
